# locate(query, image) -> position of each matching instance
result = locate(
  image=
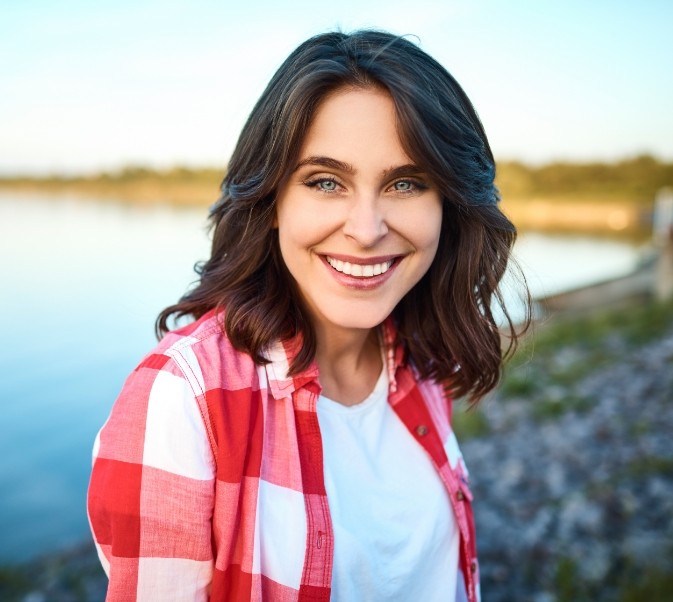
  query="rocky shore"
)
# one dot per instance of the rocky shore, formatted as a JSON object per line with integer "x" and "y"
{"x": 573, "y": 482}
{"x": 571, "y": 465}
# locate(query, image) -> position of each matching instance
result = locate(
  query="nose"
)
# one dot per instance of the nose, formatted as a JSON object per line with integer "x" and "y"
{"x": 365, "y": 222}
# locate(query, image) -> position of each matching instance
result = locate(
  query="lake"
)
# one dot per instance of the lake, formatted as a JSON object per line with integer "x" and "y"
{"x": 82, "y": 282}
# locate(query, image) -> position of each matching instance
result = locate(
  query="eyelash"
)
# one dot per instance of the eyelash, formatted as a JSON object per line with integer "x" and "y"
{"x": 315, "y": 183}
{"x": 416, "y": 185}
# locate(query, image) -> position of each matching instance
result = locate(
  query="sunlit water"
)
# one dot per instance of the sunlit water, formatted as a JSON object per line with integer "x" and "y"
{"x": 81, "y": 285}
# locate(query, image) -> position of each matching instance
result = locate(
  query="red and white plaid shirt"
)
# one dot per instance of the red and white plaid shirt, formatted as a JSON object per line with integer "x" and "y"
{"x": 207, "y": 481}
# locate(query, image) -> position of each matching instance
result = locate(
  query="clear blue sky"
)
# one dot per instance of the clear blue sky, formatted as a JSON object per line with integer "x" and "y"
{"x": 97, "y": 85}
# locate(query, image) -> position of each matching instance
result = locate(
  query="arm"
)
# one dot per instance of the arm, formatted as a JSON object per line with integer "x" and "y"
{"x": 151, "y": 494}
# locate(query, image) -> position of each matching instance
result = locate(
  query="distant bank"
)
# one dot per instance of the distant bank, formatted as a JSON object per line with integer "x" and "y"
{"x": 587, "y": 197}
{"x": 177, "y": 186}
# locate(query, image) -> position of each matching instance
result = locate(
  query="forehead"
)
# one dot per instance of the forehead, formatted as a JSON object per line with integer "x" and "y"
{"x": 355, "y": 122}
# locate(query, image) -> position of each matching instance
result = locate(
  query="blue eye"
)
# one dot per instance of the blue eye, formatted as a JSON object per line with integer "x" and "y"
{"x": 327, "y": 185}
{"x": 403, "y": 185}
{"x": 408, "y": 186}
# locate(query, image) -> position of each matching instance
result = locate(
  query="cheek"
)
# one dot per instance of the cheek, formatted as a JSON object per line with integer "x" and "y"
{"x": 302, "y": 230}
{"x": 427, "y": 236}
{"x": 424, "y": 228}
{"x": 296, "y": 243}
{"x": 430, "y": 236}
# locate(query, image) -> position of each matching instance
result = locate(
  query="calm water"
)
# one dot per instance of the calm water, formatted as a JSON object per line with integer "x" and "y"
{"x": 81, "y": 285}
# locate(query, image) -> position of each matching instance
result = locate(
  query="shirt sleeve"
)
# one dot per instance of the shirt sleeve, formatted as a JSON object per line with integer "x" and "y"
{"x": 151, "y": 493}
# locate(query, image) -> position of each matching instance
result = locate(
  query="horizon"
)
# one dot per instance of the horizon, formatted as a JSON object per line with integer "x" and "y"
{"x": 166, "y": 169}
{"x": 99, "y": 88}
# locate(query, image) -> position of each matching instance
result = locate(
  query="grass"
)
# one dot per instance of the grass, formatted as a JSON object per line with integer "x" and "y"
{"x": 638, "y": 324}
{"x": 560, "y": 353}
{"x": 563, "y": 351}
{"x": 548, "y": 409}
{"x": 650, "y": 465}
{"x": 628, "y": 585}
{"x": 653, "y": 586}
{"x": 469, "y": 422}
{"x": 13, "y": 582}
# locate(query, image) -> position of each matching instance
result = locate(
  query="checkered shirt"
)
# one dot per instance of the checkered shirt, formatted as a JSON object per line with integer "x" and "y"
{"x": 207, "y": 480}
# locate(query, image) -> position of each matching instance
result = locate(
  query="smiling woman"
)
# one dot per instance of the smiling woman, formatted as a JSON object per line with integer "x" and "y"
{"x": 294, "y": 442}
{"x": 358, "y": 225}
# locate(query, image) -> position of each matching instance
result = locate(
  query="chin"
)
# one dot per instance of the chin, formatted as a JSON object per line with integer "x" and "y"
{"x": 356, "y": 318}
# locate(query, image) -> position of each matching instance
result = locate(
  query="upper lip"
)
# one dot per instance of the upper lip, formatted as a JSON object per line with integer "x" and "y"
{"x": 362, "y": 260}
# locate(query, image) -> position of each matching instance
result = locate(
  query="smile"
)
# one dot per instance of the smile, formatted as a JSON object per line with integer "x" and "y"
{"x": 359, "y": 270}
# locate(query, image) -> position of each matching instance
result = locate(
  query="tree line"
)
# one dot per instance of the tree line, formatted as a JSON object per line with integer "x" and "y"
{"x": 634, "y": 180}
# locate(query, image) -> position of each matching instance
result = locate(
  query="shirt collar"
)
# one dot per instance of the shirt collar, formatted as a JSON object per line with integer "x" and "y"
{"x": 281, "y": 354}
{"x": 393, "y": 351}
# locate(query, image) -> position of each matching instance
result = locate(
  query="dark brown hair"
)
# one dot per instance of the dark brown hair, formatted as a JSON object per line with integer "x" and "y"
{"x": 445, "y": 322}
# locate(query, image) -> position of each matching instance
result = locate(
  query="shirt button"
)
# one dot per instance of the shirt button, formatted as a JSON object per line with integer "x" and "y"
{"x": 473, "y": 566}
{"x": 460, "y": 496}
{"x": 421, "y": 430}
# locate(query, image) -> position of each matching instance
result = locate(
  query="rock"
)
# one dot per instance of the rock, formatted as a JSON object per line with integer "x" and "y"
{"x": 573, "y": 498}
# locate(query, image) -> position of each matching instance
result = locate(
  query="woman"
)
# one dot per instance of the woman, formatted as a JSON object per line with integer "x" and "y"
{"x": 294, "y": 441}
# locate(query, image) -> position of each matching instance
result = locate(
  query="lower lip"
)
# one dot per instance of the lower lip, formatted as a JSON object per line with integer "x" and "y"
{"x": 363, "y": 283}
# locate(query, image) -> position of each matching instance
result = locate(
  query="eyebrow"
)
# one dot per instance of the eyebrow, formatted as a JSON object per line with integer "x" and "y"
{"x": 331, "y": 163}
{"x": 328, "y": 162}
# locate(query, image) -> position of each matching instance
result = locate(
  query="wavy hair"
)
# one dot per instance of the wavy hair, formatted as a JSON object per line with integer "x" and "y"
{"x": 446, "y": 322}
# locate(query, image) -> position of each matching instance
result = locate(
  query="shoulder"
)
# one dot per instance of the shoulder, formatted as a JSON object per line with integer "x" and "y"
{"x": 204, "y": 356}
{"x": 179, "y": 391}
{"x": 188, "y": 369}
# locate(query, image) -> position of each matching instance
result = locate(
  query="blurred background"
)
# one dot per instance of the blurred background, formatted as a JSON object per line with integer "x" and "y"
{"x": 116, "y": 123}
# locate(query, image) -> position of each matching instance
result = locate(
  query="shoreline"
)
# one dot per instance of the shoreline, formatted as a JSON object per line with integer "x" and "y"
{"x": 577, "y": 214}
{"x": 144, "y": 192}
{"x": 613, "y": 216}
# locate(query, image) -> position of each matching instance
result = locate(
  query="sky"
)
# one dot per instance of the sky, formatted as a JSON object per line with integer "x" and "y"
{"x": 88, "y": 86}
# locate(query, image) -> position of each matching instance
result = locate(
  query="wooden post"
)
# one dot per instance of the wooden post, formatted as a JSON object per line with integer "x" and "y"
{"x": 662, "y": 234}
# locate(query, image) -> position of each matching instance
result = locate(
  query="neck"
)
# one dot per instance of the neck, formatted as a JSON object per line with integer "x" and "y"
{"x": 349, "y": 363}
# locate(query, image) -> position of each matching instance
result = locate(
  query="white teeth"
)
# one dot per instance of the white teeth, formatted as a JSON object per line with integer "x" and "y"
{"x": 359, "y": 270}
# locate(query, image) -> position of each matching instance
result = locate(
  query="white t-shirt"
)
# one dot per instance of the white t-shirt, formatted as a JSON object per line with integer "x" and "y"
{"x": 395, "y": 536}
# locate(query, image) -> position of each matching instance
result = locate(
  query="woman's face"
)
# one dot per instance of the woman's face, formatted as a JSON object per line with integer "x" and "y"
{"x": 358, "y": 222}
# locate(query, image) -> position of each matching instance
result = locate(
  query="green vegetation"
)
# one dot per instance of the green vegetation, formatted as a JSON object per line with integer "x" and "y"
{"x": 179, "y": 185}
{"x": 630, "y": 585}
{"x": 590, "y": 197}
{"x": 550, "y": 408}
{"x": 561, "y": 352}
{"x": 609, "y": 195}
{"x": 635, "y": 180}
{"x": 556, "y": 355}
{"x": 637, "y": 324}
{"x": 650, "y": 465}
{"x": 13, "y": 582}
{"x": 469, "y": 422}
{"x": 567, "y": 584}
{"x": 131, "y": 174}
{"x": 654, "y": 585}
